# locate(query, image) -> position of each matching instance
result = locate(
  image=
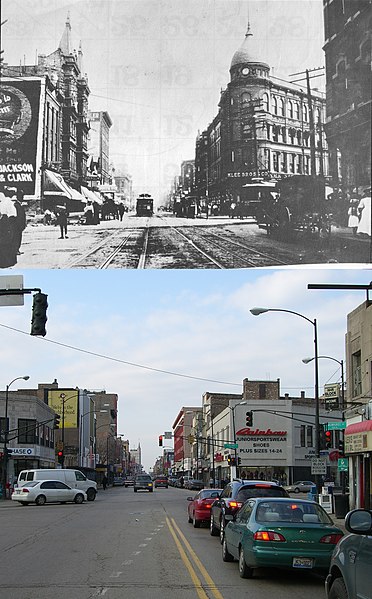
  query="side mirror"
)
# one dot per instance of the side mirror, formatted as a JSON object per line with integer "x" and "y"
{"x": 359, "y": 521}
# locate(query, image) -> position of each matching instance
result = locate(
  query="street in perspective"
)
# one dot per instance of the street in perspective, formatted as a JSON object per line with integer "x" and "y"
{"x": 257, "y": 489}
{"x": 210, "y": 137}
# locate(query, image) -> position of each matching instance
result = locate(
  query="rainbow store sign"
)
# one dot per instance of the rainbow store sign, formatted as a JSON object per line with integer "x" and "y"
{"x": 256, "y": 443}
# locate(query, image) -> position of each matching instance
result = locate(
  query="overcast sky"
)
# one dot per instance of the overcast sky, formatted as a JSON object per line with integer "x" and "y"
{"x": 195, "y": 323}
{"x": 157, "y": 66}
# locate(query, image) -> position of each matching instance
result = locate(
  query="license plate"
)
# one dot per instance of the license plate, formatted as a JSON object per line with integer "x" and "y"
{"x": 302, "y": 562}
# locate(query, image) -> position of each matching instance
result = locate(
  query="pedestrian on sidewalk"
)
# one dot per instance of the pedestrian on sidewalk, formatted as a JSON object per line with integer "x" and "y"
{"x": 8, "y": 229}
{"x": 104, "y": 482}
{"x": 62, "y": 220}
{"x": 364, "y": 209}
{"x": 353, "y": 220}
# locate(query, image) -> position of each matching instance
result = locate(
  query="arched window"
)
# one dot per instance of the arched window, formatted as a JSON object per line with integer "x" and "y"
{"x": 268, "y": 131}
{"x": 292, "y": 163}
{"x": 265, "y": 102}
{"x": 290, "y": 109}
{"x": 275, "y": 105}
{"x": 246, "y": 97}
{"x": 297, "y": 110}
{"x": 275, "y": 133}
{"x": 282, "y": 106}
{"x": 305, "y": 112}
{"x": 299, "y": 137}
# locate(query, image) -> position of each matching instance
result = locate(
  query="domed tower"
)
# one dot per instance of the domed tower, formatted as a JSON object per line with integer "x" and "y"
{"x": 246, "y": 64}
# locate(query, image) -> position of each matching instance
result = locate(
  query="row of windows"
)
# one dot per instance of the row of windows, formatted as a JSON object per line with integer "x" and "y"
{"x": 29, "y": 432}
{"x": 281, "y": 106}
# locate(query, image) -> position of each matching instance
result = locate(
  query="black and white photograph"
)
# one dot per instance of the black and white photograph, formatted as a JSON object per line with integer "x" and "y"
{"x": 198, "y": 134}
{"x": 185, "y": 299}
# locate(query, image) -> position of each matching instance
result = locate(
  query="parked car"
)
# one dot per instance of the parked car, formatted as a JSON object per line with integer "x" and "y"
{"x": 161, "y": 481}
{"x": 47, "y": 491}
{"x": 301, "y": 486}
{"x": 129, "y": 481}
{"x": 143, "y": 482}
{"x": 71, "y": 477}
{"x": 234, "y": 495}
{"x": 280, "y": 533}
{"x": 194, "y": 484}
{"x": 118, "y": 481}
{"x": 350, "y": 573}
{"x": 199, "y": 508}
{"x": 172, "y": 481}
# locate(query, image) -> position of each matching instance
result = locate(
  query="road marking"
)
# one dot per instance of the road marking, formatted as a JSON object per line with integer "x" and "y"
{"x": 197, "y": 561}
{"x": 198, "y": 585}
{"x": 101, "y": 592}
{"x": 142, "y": 545}
{"x": 136, "y": 552}
{"x": 116, "y": 575}
{"x": 148, "y": 539}
{"x": 127, "y": 562}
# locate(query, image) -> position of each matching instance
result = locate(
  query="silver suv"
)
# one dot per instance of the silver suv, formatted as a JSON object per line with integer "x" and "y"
{"x": 350, "y": 574}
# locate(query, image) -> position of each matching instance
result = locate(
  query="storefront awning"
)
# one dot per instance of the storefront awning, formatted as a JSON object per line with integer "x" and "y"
{"x": 61, "y": 187}
{"x": 90, "y": 195}
{"x": 359, "y": 427}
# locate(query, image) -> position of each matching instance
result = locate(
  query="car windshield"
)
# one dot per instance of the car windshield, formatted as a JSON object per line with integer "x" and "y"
{"x": 263, "y": 491}
{"x": 212, "y": 493}
{"x": 279, "y": 511}
{"x": 146, "y": 478}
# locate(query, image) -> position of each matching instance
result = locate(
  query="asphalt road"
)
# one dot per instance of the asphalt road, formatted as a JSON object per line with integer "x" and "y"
{"x": 126, "y": 544}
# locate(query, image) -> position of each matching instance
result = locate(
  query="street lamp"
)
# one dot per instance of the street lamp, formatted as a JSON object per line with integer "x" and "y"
{"x": 5, "y": 457}
{"x": 341, "y": 362}
{"x": 81, "y": 431}
{"x": 257, "y": 312}
{"x": 64, "y": 400}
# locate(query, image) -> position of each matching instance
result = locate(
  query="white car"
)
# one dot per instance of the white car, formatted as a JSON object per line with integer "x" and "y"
{"x": 47, "y": 491}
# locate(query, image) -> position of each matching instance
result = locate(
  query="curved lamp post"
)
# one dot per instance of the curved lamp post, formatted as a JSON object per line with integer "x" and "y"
{"x": 341, "y": 363}
{"x": 81, "y": 431}
{"x": 257, "y": 312}
{"x": 5, "y": 457}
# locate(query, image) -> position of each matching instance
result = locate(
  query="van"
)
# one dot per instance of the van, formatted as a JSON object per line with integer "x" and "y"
{"x": 73, "y": 478}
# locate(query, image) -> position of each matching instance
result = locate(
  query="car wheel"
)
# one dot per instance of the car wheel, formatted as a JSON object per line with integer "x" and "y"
{"x": 79, "y": 498}
{"x": 91, "y": 494}
{"x": 195, "y": 522}
{"x": 222, "y": 529}
{"x": 244, "y": 570}
{"x": 212, "y": 528}
{"x": 226, "y": 556}
{"x": 40, "y": 500}
{"x": 338, "y": 590}
{"x": 296, "y": 490}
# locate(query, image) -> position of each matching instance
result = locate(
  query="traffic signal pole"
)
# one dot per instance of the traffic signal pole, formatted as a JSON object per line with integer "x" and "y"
{"x": 39, "y": 308}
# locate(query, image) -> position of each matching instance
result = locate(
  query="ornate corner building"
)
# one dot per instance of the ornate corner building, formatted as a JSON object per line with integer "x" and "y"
{"x": 265, "y": 128}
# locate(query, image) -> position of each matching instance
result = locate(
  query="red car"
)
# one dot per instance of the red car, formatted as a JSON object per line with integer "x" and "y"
{"x": 199, "y": 508}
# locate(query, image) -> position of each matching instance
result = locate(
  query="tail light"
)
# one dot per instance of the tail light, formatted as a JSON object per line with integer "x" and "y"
{"x": 332, "y": 539}
{"x": 24, "y": 490}
{"x": 208, "y": 505}
{"x": 235, "y": 504}
{"x": 268, "y": 535}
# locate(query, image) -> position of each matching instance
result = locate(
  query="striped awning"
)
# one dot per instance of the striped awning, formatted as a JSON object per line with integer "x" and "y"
{"x": 56, "y": 185}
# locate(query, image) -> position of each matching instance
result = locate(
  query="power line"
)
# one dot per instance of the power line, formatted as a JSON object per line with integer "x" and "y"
{"x": 118, "y": 360}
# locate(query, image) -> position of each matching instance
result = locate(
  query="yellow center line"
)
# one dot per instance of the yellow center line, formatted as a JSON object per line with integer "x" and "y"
{"x": 198, "y": 585}
{"x": 197, "y": 561}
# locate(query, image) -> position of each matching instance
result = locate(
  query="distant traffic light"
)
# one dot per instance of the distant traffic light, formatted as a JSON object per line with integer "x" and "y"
{"x": 249, "y": 418}
{"x": 60, "y": 456}
{"x": 229, "y": 459}
{"x": 328, "y": 436}
{"x": 322, "y": 437}
{"x": 39, "y": 317}
{"x": 57, "y": 419}
{"x": 160, "y": 440}
{"x": 239, "y": 461}
{"x": 233, "y": 461}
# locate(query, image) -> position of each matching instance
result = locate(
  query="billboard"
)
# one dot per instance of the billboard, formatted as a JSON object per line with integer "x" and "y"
{"x": 21, "y": 122}
{"x": 69, "y": 398}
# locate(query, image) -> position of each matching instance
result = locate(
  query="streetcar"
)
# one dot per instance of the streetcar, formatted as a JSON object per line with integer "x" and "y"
{"x": 295, "y": 205}
{"x": 144, "y": 205}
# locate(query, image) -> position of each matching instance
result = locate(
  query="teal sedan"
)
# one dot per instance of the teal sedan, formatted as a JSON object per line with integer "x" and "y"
{"x": 280, "y": 533}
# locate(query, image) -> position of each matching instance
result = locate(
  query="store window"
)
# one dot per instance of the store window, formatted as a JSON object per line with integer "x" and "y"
{"x": 290, "y": 109}
{"x": 356, "y": 365}
{"x": 309, "y": 436}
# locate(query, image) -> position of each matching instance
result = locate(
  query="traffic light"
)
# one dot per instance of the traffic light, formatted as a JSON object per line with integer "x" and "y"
{"x": 322, "y": 437}
{"x": 233, "y": 461}
{"x": 229, "y": 459}
{"x": 249, "y": 418}
{"x": 160, "y": 440}
{"x": 328, "y": 436}
{"x": 239, "y": 461}
{"x": 57, "y": 419}
{"x": 341, "y": 447}
{"x": 60, "y": 456}
{"x": 39, "y": 317}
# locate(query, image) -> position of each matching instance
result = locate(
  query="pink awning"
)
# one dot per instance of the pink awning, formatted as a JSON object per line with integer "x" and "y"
{"x": 359, "y": 427}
